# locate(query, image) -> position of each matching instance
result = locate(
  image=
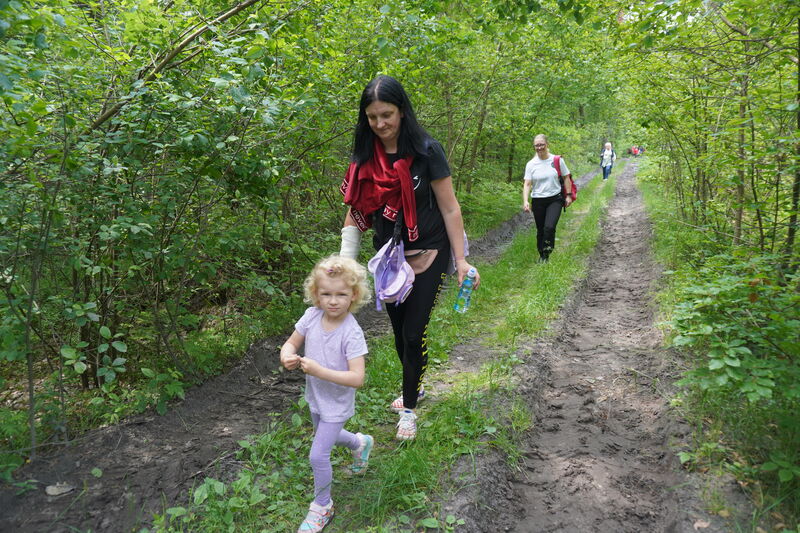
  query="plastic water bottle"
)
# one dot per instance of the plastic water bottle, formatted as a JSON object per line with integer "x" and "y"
{"x": 465, "y": 292}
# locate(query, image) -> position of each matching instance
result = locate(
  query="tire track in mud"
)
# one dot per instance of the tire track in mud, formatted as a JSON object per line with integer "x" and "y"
{"x": 599, "y": 458}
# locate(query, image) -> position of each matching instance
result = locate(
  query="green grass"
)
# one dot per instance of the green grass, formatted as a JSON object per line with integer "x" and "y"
{"x": 490, "y": 204}
{"x": 518, "y": 298}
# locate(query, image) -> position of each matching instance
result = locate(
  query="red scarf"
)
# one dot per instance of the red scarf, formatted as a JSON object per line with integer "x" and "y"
{"x": 379, "y": 184}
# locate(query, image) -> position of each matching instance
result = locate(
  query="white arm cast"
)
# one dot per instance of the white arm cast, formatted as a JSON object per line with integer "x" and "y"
{"x": 351, "y": 242}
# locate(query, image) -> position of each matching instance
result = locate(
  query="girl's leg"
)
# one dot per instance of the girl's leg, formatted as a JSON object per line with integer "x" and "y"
{"x": 410, "y": 324}
{"x": 326, "y": 436}
{"x": 345, "y": 438}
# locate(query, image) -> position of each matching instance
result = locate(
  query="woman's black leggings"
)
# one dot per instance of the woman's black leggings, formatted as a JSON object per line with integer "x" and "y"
{"x": 410, "y": 325}
{"x": 546, "y": 212}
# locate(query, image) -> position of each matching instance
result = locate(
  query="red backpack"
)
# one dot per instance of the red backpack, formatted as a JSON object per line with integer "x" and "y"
{"x": 572, "y": 193}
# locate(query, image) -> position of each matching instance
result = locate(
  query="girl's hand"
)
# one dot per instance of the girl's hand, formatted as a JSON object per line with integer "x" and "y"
{"x": 310, "y": 366}
{"x": 290, "y": 361}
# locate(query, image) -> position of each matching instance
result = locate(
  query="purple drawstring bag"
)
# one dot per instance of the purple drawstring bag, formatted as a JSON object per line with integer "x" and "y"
{"x": 393, "y": 276}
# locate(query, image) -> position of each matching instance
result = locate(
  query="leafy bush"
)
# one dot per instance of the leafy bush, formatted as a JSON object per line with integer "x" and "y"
{"x": 740, "y": 319}
{"x": 13, "y": 432}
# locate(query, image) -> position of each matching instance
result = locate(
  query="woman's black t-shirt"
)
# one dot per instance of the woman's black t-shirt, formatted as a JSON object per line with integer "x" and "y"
{"x": 432, "y": 231}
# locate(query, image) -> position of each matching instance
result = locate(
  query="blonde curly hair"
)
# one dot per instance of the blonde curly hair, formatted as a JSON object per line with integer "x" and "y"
{"x": 335, "y": 266}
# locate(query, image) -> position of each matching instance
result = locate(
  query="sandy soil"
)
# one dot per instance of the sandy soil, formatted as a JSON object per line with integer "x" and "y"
{"x": 598, "y": 459}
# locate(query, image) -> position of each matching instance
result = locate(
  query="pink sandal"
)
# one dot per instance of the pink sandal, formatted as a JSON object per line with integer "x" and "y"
{"x": 397, "y": 404}
{"x": 407, "y": 425}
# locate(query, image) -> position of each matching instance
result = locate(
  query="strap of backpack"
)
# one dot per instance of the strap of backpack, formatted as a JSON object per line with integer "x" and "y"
{"x": 557, "y": 164}
{"x": 397, "y": 236}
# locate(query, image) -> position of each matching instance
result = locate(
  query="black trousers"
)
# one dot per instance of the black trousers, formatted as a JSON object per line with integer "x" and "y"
{"x": 410, "y": 325}
{"x": 546, "y": 212}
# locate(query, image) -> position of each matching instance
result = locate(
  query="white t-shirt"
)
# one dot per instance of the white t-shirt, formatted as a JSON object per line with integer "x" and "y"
{"x": 608, "y": 158}
{"x": 543, "y": 176}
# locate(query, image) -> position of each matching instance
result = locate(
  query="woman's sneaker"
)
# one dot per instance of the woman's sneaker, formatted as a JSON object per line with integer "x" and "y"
{"x": 317, "y": 518}
{"x": 397, "y": 404}
{"x": 407, "y": 426}
{"x": 361, "y": 454}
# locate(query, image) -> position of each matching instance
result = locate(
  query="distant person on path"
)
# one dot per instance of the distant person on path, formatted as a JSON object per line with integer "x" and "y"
{"x": 397, "y": 166}
{"x": 541, "y": 193}
{"x": 334, "y": 369}
{"x": 607, "y": 158}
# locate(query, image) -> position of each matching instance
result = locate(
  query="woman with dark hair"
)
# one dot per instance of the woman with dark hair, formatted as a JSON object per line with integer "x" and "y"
{"x": 397, "y": 167}
{"x": 541, "y": 193}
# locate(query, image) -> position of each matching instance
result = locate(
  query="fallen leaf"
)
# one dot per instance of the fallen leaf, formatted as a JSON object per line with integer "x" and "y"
{"x": 58, "y": 489}
{"x": 701, "y": 524}
{"x": 724, "y": 513}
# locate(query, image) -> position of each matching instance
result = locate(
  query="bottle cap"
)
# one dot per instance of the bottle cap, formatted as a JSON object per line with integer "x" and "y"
{"x": 472, "y": 272}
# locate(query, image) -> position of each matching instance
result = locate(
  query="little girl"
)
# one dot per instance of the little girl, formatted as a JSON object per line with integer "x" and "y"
{"x": 334, "y": 368}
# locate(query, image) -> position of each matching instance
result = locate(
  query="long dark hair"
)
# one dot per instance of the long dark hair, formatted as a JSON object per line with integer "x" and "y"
{"x": 412, "y": 139}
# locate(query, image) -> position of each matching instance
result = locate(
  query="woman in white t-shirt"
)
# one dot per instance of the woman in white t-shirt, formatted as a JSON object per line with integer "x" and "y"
{"x": 541, "y": 194}
{"x": 607, "y": 158}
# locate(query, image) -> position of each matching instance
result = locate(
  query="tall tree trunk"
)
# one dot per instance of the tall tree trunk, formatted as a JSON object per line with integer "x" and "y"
{"x": 36, "y": 271}
{"x": 451, "y": 134}
{"x": 511, "y": 163}
{"x": 477, "y": 139}
{"x": 753, "y": 172}
{"x": 740, "y": 172}
{"x": 792, "y": 231}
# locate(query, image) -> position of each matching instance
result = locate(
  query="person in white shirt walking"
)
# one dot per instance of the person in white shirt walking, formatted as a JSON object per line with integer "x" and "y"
{"x": 607, "y": 158}
{"x": 542, "y": 194}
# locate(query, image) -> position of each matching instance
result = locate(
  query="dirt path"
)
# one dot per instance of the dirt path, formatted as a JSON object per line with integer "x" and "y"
{"x": 599, "y": 458}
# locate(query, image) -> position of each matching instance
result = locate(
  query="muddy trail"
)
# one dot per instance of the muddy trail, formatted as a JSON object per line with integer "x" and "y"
{"x": 597, "y": 460}
{"x": 602, "y": 454}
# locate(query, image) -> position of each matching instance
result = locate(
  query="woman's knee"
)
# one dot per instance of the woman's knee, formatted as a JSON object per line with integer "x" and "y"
{"x": 413, "y": 342}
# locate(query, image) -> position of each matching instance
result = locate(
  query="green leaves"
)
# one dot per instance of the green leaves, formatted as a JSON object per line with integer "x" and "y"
{"x": 120, "y": 346}
{"x": 738, "y": 317}
{"x": 109, "y": 369}
{"x": 5, "y": 83}
{"x": 74, "y": 359}
{"x": 786, "y": 468}
{"x": 732, "y": 319}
